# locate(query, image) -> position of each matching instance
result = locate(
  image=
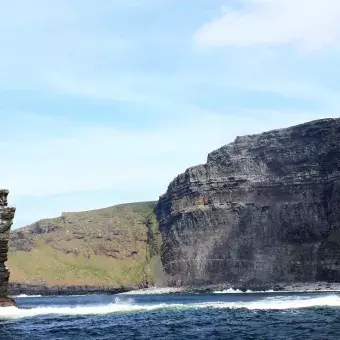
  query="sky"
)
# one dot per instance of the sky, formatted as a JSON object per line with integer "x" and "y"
{"x": 105, "y": 102}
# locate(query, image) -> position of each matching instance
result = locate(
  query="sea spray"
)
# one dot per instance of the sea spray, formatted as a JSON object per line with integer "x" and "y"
{"x": 129, "y": 305}
{"x": 24, "y": 296}
{"x": 238, "y": 291}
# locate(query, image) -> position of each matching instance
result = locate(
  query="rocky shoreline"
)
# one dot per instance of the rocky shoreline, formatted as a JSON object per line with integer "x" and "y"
{"x": 297, "y": 287}
{"x": 6, "y": 302}
{"x": 16, "y": 289}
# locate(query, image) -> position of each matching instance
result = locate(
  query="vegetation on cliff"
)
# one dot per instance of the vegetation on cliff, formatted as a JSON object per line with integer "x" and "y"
{"x": 114, "y": 246}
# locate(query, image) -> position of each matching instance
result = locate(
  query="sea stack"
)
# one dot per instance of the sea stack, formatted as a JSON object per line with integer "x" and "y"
{"x": 6, "y": 220}
{"x": 264, "y": 209}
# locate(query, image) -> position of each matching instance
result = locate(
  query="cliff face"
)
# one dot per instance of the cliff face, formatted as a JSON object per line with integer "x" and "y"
{"x": 6, "y": 218}
{"x": 265, "y": 208}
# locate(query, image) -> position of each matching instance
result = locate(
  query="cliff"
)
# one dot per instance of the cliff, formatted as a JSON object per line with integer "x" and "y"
{"x": 264, "y": 209}
{"x": 6, "y": 218}
{"x": 98, "y": 250}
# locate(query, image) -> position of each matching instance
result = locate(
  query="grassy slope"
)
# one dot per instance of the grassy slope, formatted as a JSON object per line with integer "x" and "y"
{"x": 111, "y": 247}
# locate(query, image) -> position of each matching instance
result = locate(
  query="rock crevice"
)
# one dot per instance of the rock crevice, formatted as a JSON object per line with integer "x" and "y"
{"x": 265, "y": 208}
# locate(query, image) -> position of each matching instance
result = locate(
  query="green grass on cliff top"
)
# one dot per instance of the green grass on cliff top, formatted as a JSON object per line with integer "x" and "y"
{"x": 105, "y": 247}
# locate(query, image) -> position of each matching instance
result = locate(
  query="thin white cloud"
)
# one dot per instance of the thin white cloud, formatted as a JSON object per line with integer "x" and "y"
{"x": 309, "y": 23}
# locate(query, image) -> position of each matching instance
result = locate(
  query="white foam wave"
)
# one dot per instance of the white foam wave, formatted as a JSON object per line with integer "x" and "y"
{"x": 274, "y": 303}
{"x": 238, "y": 291}
{"x": 13, "y": 312}
{"x": 26, "y": 296}
{"x": 279, "y": 303}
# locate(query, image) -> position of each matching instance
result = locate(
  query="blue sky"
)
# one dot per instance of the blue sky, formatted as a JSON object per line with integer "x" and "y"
{"x": 104, "y": 102}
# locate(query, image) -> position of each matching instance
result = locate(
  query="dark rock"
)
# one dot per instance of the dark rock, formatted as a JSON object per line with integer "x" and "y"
{"x": 112, "y": 253}
{"x": 264, "y": 209}
{"x": 79, "y": 235}
{"x": 21, "y": 241}
{"x": 132, "y": 254}
{"x": 49, "y": 290}
{"x": 6, "y": 220}
{"x": 6, "y": 302}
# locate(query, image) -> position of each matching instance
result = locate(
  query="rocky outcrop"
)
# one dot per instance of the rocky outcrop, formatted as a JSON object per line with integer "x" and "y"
{"x": 264, "y": 209}
{"x": 6, "y": 218}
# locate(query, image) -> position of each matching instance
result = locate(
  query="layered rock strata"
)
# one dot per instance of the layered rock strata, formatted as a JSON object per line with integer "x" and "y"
{"x": 263, "y": 209}
{"x": 6, "y": 219}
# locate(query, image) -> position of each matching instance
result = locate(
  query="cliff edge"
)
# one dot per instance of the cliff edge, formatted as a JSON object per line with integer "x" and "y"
{"x": 263, "y": 209}
{"x": 6, "y": 218}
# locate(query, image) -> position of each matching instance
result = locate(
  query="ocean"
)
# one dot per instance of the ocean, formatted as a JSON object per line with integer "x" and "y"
{"x": 196, "y": 316}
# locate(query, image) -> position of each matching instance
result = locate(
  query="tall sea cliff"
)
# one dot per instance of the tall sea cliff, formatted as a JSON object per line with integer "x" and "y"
{"x": 265, "y": 208}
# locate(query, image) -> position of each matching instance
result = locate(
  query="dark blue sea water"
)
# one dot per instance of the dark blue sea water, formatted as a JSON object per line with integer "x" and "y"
{"x": 213, "y": 316}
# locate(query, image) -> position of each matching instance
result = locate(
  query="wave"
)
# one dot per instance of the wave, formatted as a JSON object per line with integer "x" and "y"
{"x": 273, "y": 303}
{"x": 14, "y": 312}
{"x": 280, "y": 303}
{"x": 26, "y": 296}
{"x": 238, "y": 291}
